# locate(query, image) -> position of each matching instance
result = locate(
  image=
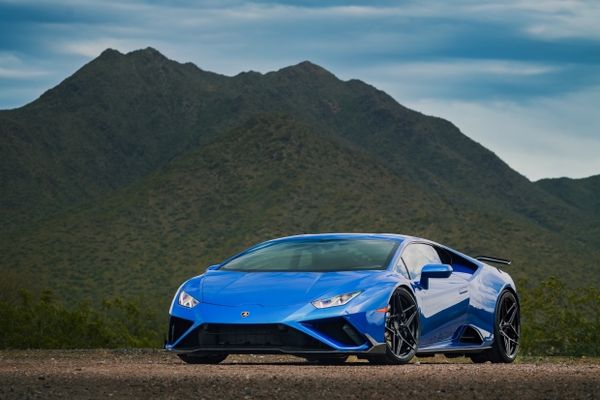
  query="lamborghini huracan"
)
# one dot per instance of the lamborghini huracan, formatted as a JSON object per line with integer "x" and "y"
{"x": 380, "y": 297}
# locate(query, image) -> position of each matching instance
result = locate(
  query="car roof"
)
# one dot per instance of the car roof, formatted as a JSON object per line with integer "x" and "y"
{"x": 329, "y": 236}
{"x": 326, "y": 236}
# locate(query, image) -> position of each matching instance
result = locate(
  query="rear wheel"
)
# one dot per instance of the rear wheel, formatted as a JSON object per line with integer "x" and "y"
{"x": 202, "y": 358}
{"x": 401, "y": 329}
{"x": 507, "y": 332}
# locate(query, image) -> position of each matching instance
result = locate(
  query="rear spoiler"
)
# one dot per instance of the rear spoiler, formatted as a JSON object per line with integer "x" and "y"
{"x": 494, "y": 260}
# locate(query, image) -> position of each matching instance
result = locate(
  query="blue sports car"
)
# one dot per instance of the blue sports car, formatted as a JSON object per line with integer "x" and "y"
{"x": 381, "y": 297}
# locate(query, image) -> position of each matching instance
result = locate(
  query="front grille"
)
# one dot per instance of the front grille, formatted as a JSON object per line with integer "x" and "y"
{"x": 177, "y": 327}
{"x": 250, "y": 336}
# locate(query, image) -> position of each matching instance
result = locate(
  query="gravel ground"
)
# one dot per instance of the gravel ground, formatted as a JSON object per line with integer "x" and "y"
{"x": 156, "y": 374}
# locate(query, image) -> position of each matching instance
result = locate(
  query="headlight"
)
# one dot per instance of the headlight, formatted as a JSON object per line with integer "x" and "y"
{"x": 338, "y": 300}
{"x": 186, "y": 300}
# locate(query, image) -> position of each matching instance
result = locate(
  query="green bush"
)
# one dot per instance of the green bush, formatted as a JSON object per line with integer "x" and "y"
{"x": 47, "y": 323}
{"x": 558, "y": 320}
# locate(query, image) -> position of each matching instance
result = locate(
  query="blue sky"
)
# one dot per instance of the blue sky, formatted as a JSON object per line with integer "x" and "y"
{"x": 521, "y": 77}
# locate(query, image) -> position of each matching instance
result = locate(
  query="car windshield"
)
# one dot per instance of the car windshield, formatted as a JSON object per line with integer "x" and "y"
{"x": 316, "y": 256}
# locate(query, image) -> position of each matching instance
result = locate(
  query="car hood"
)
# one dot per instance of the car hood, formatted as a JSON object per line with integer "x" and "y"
{"x": 234, "y": 288}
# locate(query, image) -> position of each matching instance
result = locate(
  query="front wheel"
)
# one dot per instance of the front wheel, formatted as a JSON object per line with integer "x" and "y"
{"x": 507, "y": 332}
{"x": 202, "y": 358}
{"x": 401, "y": 329}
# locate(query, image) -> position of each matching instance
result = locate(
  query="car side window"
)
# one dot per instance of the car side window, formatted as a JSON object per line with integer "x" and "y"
{"x": 417, "y": 255}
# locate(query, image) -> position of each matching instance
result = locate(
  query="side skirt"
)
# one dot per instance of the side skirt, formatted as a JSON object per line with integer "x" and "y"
{"x": 454, "y": 351}
{"x": 379, "y": 349}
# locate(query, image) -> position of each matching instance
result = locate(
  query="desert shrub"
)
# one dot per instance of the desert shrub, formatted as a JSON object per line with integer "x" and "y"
{"x": 559, "y": 320}
{"x": 45, "y": 322}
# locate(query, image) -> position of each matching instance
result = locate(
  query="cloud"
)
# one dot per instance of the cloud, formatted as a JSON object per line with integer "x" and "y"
{"x": 92, "y": 48}
{"x": 20, "y": 73}
{"x": 551, "y": 19}
{"x": 471, "y": 67}
{"x": 12, "y": 67}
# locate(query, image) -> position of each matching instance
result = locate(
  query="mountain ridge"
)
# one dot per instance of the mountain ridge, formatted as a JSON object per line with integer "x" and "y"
{"x": 583, "y": 193}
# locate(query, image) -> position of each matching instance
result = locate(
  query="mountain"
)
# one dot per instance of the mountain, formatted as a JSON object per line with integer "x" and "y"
{"x": 137, "y": 172}
{"x": 583, "y": 194}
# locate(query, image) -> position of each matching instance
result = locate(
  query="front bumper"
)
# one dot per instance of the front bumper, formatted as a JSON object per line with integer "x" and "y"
{"x": 278, "y": 329}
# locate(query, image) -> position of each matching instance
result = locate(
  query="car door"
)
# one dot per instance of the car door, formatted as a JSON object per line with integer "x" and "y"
{"x": 444, "y": 303}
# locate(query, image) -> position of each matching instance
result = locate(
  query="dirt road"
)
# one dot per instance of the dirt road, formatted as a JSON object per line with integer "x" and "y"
{"x": 155, "y": 374}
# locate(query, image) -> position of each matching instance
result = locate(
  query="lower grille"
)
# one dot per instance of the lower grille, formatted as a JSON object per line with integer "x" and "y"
{"x": 250, "y": 336}
{"x": 337, "y": 329}
{"x": 177, "y": 327}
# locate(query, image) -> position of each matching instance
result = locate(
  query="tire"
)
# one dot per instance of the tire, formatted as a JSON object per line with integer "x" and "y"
{"x": 327, "y": 360}
{"x": 202, "y": 358}
{"x": 507, "y": 332}
{"x": 401, "y": 329}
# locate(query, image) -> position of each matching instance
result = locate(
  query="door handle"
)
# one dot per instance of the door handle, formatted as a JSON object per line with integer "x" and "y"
{"x": 463, "y": 290}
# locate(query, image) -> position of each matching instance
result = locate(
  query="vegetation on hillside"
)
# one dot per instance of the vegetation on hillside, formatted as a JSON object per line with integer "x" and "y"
{"x": 47, "y": 323}
{"x": 558, "y": 320}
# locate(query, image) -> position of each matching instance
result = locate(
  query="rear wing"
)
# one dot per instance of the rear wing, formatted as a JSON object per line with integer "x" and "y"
{"x": 494, "y": 260}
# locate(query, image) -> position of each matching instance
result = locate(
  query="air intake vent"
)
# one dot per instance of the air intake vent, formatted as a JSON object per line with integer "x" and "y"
{"x": 471, "y": 335}
{"x": 177, "y": 327}
{"x": 337, "y": 329}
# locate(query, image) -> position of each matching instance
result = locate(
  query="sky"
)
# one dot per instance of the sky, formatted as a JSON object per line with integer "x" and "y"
{"x": 521, "y": 77}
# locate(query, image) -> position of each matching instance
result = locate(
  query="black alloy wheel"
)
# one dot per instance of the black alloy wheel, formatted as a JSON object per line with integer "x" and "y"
{"x": 401, "y": 329}
{"x": 507, "y": 332}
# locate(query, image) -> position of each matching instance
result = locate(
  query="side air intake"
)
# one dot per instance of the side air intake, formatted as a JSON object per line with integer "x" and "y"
{"x": 470, "y": 335}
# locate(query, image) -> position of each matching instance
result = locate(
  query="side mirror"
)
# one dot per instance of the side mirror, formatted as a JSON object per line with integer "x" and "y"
{"x": 212, "y": 267}
{"x": 434, "y": 271}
